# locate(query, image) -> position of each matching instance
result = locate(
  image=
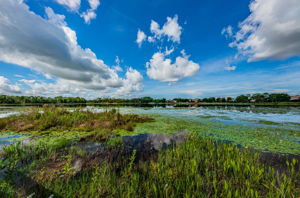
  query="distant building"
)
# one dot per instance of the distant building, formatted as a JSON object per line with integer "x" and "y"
{"x": 295, "y": 98}
{"x": 171, "y": 101}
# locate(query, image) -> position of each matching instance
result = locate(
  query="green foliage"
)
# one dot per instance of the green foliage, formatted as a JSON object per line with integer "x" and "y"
{"x": 258, "y": 98}
{"x": 242, "y": 99}
{"x": 200, "y": 168}
{"x": 4, "y": 99}
{"x": 60, "y": 119}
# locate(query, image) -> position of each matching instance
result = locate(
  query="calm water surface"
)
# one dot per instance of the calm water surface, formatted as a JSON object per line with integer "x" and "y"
{"x": 238, "y": 115}
{"x": 228, "y": 114}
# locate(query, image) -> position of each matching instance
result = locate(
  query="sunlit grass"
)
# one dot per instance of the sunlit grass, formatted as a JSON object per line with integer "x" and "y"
{"x": 200, "y": 168}
{"x": 60, "y": 119}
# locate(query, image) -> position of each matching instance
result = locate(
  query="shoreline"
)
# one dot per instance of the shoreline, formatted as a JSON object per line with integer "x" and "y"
{"x": 273, "y": 104}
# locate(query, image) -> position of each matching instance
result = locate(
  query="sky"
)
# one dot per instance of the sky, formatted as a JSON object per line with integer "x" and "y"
{"x": 156, "y": 48}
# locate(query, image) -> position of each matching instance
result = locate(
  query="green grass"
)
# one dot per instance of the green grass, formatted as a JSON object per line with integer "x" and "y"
{"x": 199, "y": 168}
{"x": 60, "y": 119}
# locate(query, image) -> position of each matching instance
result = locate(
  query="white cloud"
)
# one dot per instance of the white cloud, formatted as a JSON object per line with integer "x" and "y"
{"x": 132, "y": 83}
{"x": 230, "y": 68}
{"x": 90, "y": 14}
{"x": 279, "y": 91}
{"x": 72, "y": 5}
{"x": 94, "y": 4}
{"x": 191, "y": 92}
{"x": 219, "y": 64}
{"x": 227, "y": 32}
{"x": 18, "y": 76}
{"x": 117, "y": 67}
{"x": 141, "y": 37}
{"x": 169, "y": 51}
{"x": 27, "y": 81}
{"x": 171, "y": 29}
{"x": 7, "y": 88}
{"x": 51, "y": 48}
{"x": 151, "y": 39}
{"x": 161, "y": 68}
{"x": 271, "y": 31}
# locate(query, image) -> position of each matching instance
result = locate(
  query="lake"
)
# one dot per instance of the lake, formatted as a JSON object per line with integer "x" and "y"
{"x": 266, "y": 128}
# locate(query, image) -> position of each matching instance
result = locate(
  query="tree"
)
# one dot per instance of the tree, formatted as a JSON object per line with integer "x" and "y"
{"x": 229, "y": 99}
{"x": 258, "y": 97}
{"x": 279, "y": 97}
{"x": 242, "y": 99}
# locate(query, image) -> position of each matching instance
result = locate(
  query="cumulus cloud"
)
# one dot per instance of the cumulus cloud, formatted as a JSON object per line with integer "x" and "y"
{"x": 161, "y": 68}
{"x": 72, "y": 5}
{"x": 230, "y": 68}
{"x": 90, "y": 13}
{"x": 7, "y": 88}
{"x": 141, "y": 37}
{"x": 133, "y": 82}
{"x": 171, "y": 29}
{"x": 51, "y": 48}
{"x": 271, "y": 31}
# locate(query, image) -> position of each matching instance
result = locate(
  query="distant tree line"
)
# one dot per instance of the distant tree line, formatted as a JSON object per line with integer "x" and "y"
{"x": 143, "y": 100}
{"x": 4, "y": 99}
{"x": 257, "y": 98}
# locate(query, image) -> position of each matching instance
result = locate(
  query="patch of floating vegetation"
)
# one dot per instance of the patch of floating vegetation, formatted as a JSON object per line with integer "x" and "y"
{"x": 214, "y": 117}
{"x": 266, "y": 122}
{"x": 258, "y": 137}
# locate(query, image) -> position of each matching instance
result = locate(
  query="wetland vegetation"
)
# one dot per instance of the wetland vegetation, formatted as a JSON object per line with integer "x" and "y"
{"x": 80, "y": 152}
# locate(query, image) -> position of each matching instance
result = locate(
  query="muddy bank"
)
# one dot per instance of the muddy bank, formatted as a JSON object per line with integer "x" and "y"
{"x": 147, "y": 146}
{"x": 144, "y": 147}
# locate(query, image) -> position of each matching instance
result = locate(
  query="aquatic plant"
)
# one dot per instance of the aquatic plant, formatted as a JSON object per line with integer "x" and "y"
{"x": 61, "y": 119}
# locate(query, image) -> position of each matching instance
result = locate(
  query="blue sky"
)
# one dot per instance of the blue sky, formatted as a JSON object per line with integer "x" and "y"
{"x": 158, "y": 48}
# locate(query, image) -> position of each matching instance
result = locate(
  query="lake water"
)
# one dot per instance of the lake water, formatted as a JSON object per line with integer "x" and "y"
{"x": 261, "y": 127}
{"x": 229, "y": 114}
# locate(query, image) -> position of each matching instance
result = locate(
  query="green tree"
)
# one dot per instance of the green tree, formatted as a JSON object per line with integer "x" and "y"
{"x": 242, "y": 99}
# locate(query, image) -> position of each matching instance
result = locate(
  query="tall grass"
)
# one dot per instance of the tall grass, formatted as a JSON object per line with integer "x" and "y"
{"x": 60, "y": 119}
{"x": 200, "y": 168}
